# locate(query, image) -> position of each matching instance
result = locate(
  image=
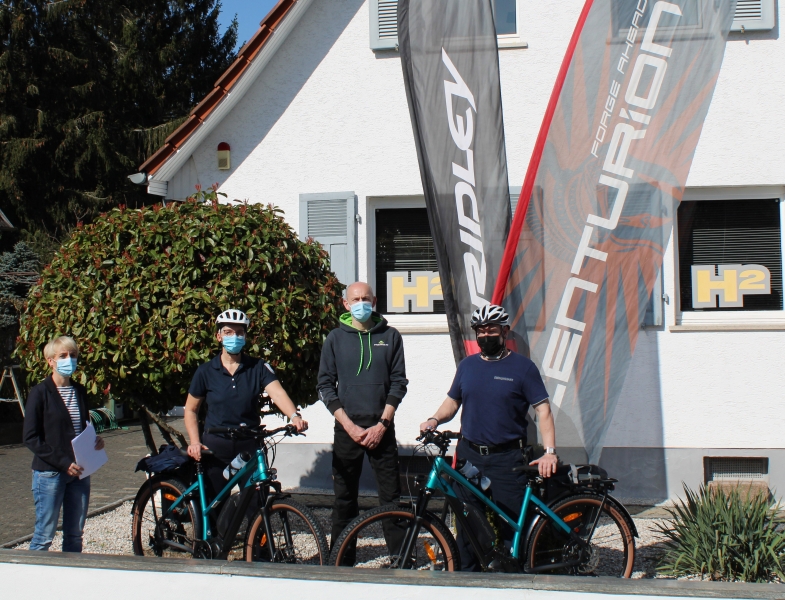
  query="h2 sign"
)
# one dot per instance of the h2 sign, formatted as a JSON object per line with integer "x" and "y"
{"x": 728, "y": 284}
{"x": 422, "y": 290}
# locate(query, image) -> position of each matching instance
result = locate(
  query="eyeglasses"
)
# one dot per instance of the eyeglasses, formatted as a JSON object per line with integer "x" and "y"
{"x": 231, "y": 332}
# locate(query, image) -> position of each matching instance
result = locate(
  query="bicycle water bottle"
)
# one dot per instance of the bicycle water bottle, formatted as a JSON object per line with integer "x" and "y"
{"x": 472, "y": 473}
{"x": 238, "y": 463}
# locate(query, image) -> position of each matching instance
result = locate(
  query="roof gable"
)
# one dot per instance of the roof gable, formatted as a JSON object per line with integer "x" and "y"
{"x": 228, "y": 90}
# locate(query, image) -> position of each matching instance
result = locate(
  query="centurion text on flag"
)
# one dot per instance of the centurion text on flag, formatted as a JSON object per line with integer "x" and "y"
{"x": 565, "y": 338}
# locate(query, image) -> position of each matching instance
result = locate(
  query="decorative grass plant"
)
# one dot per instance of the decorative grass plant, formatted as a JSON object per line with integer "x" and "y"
{"x": 726, "y": 536}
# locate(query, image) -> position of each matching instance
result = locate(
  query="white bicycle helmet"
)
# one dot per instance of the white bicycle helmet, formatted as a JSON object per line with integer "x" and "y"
{"x": 236, "y": 317}
{"x": 489, "y": 314}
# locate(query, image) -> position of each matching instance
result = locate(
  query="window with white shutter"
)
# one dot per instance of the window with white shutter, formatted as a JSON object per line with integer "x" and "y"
{"x": 330, "y": 219}
{"x": 753, "y": 15}
{"x": 384, "y": 24}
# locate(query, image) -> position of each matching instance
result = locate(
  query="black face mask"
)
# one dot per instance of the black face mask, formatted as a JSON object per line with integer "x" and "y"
{"x": 490, "y": 345}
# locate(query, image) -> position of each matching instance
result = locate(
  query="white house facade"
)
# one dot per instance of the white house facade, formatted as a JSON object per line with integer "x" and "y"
{"x": 312, "y": 113}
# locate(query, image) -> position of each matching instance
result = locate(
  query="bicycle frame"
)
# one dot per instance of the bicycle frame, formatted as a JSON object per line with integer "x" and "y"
{"x": 259, "y": 473}
{"x": 439, "y": 480}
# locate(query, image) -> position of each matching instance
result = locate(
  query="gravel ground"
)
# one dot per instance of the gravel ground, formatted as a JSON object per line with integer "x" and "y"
{"x": 110, "y": 533}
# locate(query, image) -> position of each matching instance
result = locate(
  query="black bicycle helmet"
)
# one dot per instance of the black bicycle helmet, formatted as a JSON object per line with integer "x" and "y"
{"x": 490, "y": 314}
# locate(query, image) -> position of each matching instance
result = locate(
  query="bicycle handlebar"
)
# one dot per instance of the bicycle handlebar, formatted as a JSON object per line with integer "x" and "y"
{"x": 429, "y": 436}
{"x": 441, "y": 439}
{"x": 257, "y": 433}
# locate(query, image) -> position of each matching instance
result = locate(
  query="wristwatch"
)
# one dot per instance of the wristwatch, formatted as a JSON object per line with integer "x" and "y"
{"x": 295, "y": 414}
{"x": 550, "y": 450}
{"x": 385, "y": 422}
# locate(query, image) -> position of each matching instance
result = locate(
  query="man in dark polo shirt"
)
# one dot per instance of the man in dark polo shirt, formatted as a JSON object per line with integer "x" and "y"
{"x": 496, "y": 388}
{"x": 231, "y": 384}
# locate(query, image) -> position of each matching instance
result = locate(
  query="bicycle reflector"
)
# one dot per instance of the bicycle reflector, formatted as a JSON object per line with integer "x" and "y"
{"x": 572, "y": 517}
{"x": 170, "y": 497}
{"x": 429, "y": 551}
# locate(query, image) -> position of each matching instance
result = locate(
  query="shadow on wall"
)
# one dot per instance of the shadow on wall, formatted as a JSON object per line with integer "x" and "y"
{"x": 320, "y": 474}
{"x": 634, "y": 450}
{"x": 292, "y": 66}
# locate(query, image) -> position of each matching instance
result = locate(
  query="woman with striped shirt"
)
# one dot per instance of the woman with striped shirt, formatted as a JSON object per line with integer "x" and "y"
{"x": 56, "y": 414}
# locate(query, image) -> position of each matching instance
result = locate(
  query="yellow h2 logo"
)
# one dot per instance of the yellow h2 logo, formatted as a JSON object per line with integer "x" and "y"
{"x": 424, "y": 288}
{"x": 728, "y": 284}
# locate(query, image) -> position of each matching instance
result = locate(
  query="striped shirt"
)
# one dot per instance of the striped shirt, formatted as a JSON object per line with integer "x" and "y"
{"x": 72, "y": 404}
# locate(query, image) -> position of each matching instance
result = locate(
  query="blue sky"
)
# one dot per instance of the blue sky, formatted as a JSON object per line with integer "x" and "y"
{"x": 249, "y": 13}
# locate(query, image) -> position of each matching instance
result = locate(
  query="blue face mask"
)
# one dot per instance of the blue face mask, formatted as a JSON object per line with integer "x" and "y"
{"x": 66, "y": 366}
{"x": 233, "y": 343}
{"x": 362, "y": 310}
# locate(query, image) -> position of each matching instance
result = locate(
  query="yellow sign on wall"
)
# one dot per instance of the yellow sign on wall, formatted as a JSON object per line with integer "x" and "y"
{"x": 423, "y": 288}
{"x": 727, "y": 284}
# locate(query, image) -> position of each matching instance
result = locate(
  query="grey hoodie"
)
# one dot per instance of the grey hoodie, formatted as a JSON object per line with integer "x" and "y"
{"x": 362, "y": 371}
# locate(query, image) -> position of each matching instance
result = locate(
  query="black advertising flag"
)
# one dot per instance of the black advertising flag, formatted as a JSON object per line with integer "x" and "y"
{"x": 451, "y": 73}
{"x": 608, "y": 170}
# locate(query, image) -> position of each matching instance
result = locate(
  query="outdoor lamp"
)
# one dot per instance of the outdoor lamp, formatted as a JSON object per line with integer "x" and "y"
{"x": 224, "y": 159}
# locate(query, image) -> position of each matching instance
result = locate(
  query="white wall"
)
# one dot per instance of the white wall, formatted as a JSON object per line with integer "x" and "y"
{"x": 77, "y": 582}
{"x": 328, "y": 114}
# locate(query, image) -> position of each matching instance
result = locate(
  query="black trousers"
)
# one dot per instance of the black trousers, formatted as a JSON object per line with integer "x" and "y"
{"x": 224, "y": 451}
{"x": 507, "y": 491}
{"x": 347, "y": 468}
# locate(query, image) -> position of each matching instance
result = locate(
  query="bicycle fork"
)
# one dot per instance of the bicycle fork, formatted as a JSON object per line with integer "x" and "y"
{"x": 410, "y": 539}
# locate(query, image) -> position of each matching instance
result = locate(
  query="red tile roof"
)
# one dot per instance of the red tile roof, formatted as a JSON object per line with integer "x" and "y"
{"x": 222, "y": 87}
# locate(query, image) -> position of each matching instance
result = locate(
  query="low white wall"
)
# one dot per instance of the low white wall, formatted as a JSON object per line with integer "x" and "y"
{"x": 28, "y": 581}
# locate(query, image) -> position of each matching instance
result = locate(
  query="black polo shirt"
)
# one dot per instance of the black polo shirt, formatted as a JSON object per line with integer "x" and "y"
{"x": 232, "y": 399}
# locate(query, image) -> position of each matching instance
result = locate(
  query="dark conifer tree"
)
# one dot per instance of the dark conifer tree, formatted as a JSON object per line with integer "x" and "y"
{"x": 88, "y": 89}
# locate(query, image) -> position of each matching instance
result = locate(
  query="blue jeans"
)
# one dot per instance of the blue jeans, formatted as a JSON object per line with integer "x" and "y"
{"x": 51, "y": 490}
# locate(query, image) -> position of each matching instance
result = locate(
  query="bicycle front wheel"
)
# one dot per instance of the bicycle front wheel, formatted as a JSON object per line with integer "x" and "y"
{"x": 611, "y": 549}
{"x": 375, "y": 540}
{"x": 297, "y": 536}
{"x": 155, "y": 530}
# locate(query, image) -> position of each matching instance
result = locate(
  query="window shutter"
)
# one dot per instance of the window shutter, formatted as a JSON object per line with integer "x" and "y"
{"x": 384, "y": 24}
{"x": 329, "y": 219}
{"x": 753, "y": 15}
{"x": 515, "y": 194}
{"x": 654, "y": 309}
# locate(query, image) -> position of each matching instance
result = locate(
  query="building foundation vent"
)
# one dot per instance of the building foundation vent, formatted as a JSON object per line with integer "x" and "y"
{"x": 727, "y": 468}
{"x": 748, "y": 474}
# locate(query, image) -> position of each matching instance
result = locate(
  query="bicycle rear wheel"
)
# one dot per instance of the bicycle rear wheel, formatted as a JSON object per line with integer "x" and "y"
{"x": 375, "y": 539}
{"x": 174, "y": 535}
{"x": 611, "y": 543}
{"x": 297, "y": 536}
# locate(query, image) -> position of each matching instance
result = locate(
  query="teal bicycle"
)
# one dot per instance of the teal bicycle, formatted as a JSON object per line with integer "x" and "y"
{"x": 568, "y": 524}
{"x": 171, "y": 516}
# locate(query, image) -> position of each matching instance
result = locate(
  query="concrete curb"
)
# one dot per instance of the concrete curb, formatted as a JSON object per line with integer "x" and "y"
{"x": 596, "y": 585}
{"x": 93, "y": 513}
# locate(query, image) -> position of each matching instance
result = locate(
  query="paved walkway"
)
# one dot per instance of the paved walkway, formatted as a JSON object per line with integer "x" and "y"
{"x": 114, "y": 481}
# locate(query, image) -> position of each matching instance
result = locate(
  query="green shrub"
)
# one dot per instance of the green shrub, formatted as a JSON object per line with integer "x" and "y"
{"x": 724, "y": 536}
{"x": 139, "y": 290}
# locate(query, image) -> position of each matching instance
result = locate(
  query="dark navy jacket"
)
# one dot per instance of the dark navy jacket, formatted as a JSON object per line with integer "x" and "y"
{"x": 48, "y": 428}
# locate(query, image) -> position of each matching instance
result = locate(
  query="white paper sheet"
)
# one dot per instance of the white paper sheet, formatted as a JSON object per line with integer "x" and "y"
{"x": 85, "y": 453}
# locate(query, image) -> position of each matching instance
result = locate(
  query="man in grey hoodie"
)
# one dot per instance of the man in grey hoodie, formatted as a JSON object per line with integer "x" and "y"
{"x": 362, "y": 380}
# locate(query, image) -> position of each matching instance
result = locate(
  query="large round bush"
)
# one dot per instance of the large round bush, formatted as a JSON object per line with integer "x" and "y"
{"x": 139, "y": 290}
